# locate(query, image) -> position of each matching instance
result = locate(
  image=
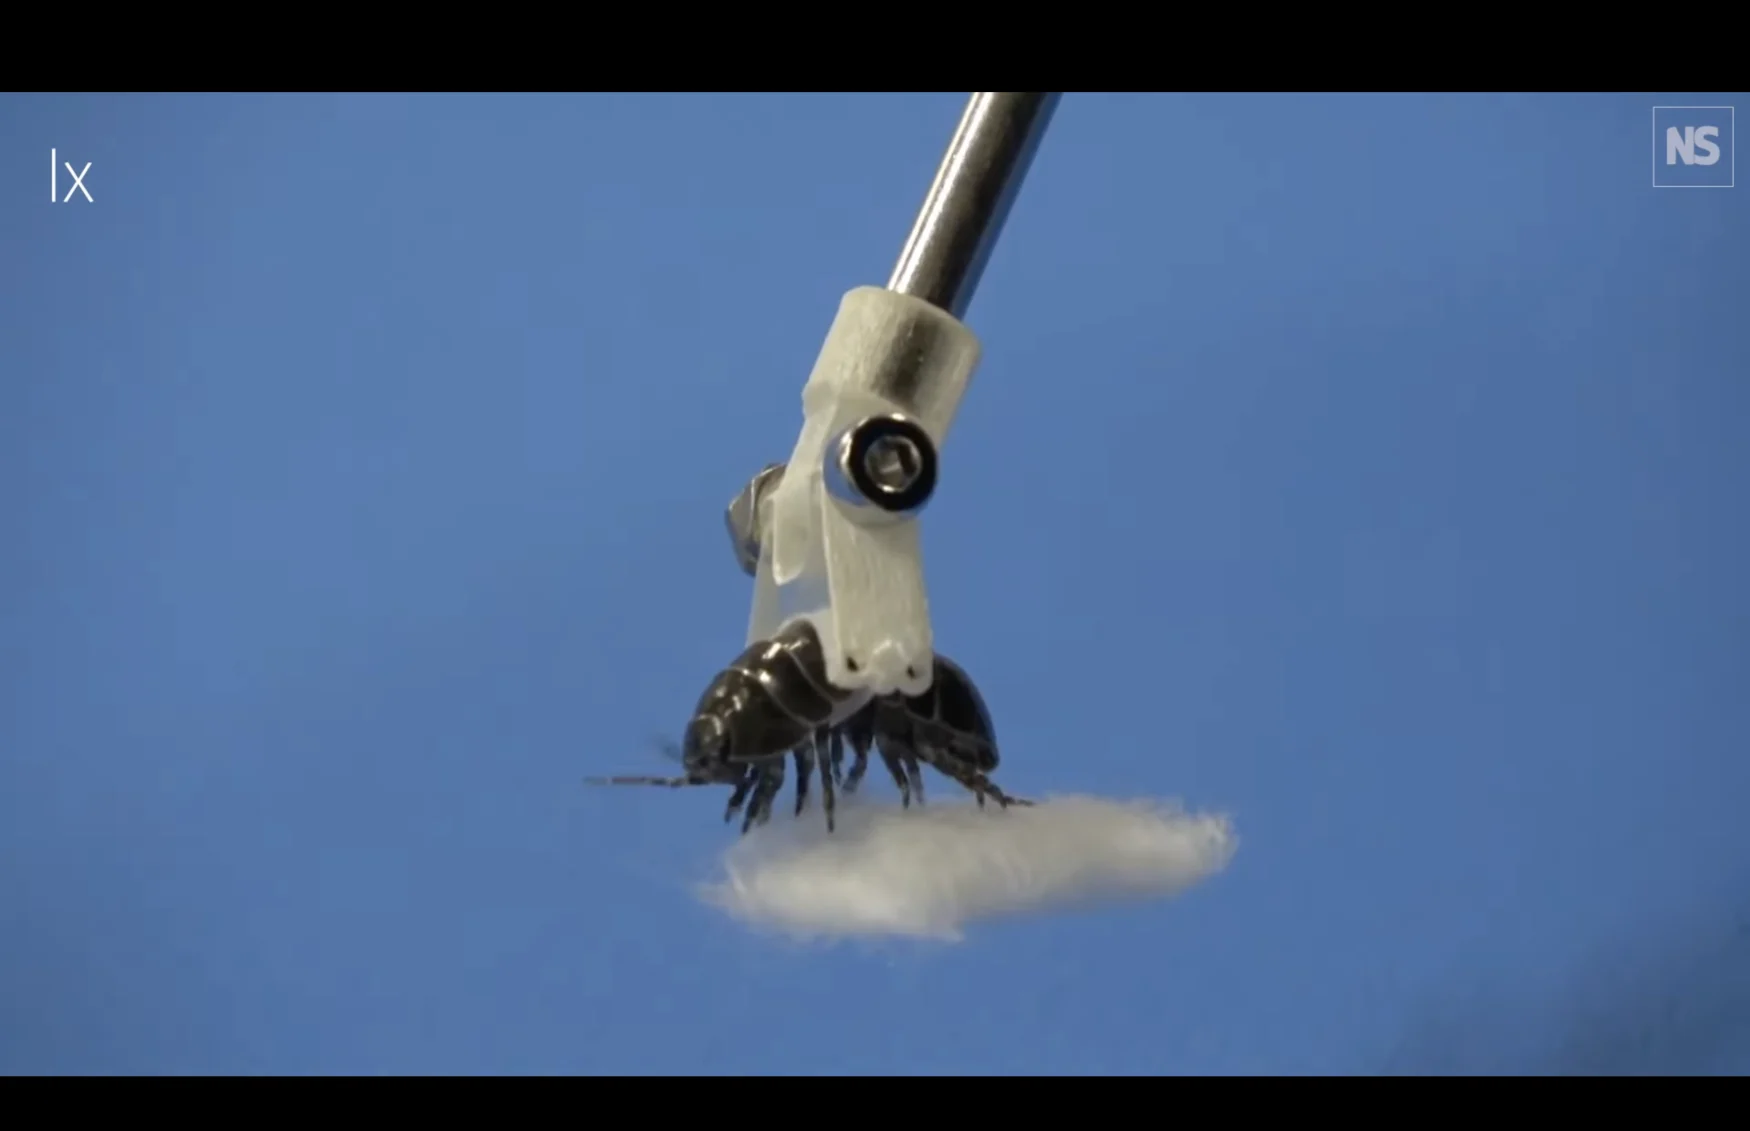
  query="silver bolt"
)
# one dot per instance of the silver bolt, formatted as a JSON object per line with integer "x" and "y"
{"x": 893, "y": 463}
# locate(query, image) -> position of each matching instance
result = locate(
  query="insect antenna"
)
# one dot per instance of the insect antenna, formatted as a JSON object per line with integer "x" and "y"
{"x": 670, "y": 750}
{"x": 640, "y": 779}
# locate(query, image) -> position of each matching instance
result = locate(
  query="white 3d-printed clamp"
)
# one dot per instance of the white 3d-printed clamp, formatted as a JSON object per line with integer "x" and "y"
{"x": 832, "y": 537}
{"x": 838, "y": 537}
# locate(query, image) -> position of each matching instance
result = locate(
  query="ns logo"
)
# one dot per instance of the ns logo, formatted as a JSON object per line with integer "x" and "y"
{"x": 1684, "y": 145}
{"x": 1693, "y": 147}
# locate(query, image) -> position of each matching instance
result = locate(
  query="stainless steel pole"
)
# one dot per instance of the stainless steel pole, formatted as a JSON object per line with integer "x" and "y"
{"x": 964, "y": 212}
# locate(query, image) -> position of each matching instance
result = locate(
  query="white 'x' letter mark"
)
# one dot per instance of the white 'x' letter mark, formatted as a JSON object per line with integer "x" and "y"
{"x": 78, "y": 182}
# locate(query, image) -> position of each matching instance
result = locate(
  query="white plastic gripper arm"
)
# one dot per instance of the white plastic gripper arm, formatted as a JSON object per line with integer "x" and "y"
{"x": 832, "y": 536}
{"x": 840, "y": 540}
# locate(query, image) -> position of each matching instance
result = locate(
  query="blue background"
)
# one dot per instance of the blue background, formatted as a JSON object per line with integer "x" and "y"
{"x": 1722, "y": 173}
{"x": 362, "y": 462}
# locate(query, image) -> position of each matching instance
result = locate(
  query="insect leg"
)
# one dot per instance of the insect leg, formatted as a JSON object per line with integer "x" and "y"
{"x": 975, "y": 781}
{"x": 742, "y": 789}
{"x": 804, "y": 771}
{"x": 859, "y": 766}
{"x": 859, "y": 734}
{"x": 828, "y": 801}
{"x": 916, "y": 775}
{"x": 890, "y": 758}
{"x": 949, "y": 764}
{"x": 833, "y": 739}
{"x": 905, "y": 752}
{"x": 771, "y": 782}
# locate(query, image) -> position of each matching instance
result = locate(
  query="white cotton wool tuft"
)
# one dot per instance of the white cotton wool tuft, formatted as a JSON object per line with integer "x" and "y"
{"x": 929, "y": 872}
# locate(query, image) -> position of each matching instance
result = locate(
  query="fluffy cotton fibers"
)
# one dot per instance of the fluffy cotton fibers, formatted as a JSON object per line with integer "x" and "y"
{"x": 930, "y": 872}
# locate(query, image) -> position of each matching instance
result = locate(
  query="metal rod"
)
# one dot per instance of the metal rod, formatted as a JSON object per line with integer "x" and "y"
{"x": 964, "y": 212}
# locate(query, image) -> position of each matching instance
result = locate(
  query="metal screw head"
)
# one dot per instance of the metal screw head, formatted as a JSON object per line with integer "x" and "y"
{"x": 886, "y": 462}
{"x": 893, "y": 463}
